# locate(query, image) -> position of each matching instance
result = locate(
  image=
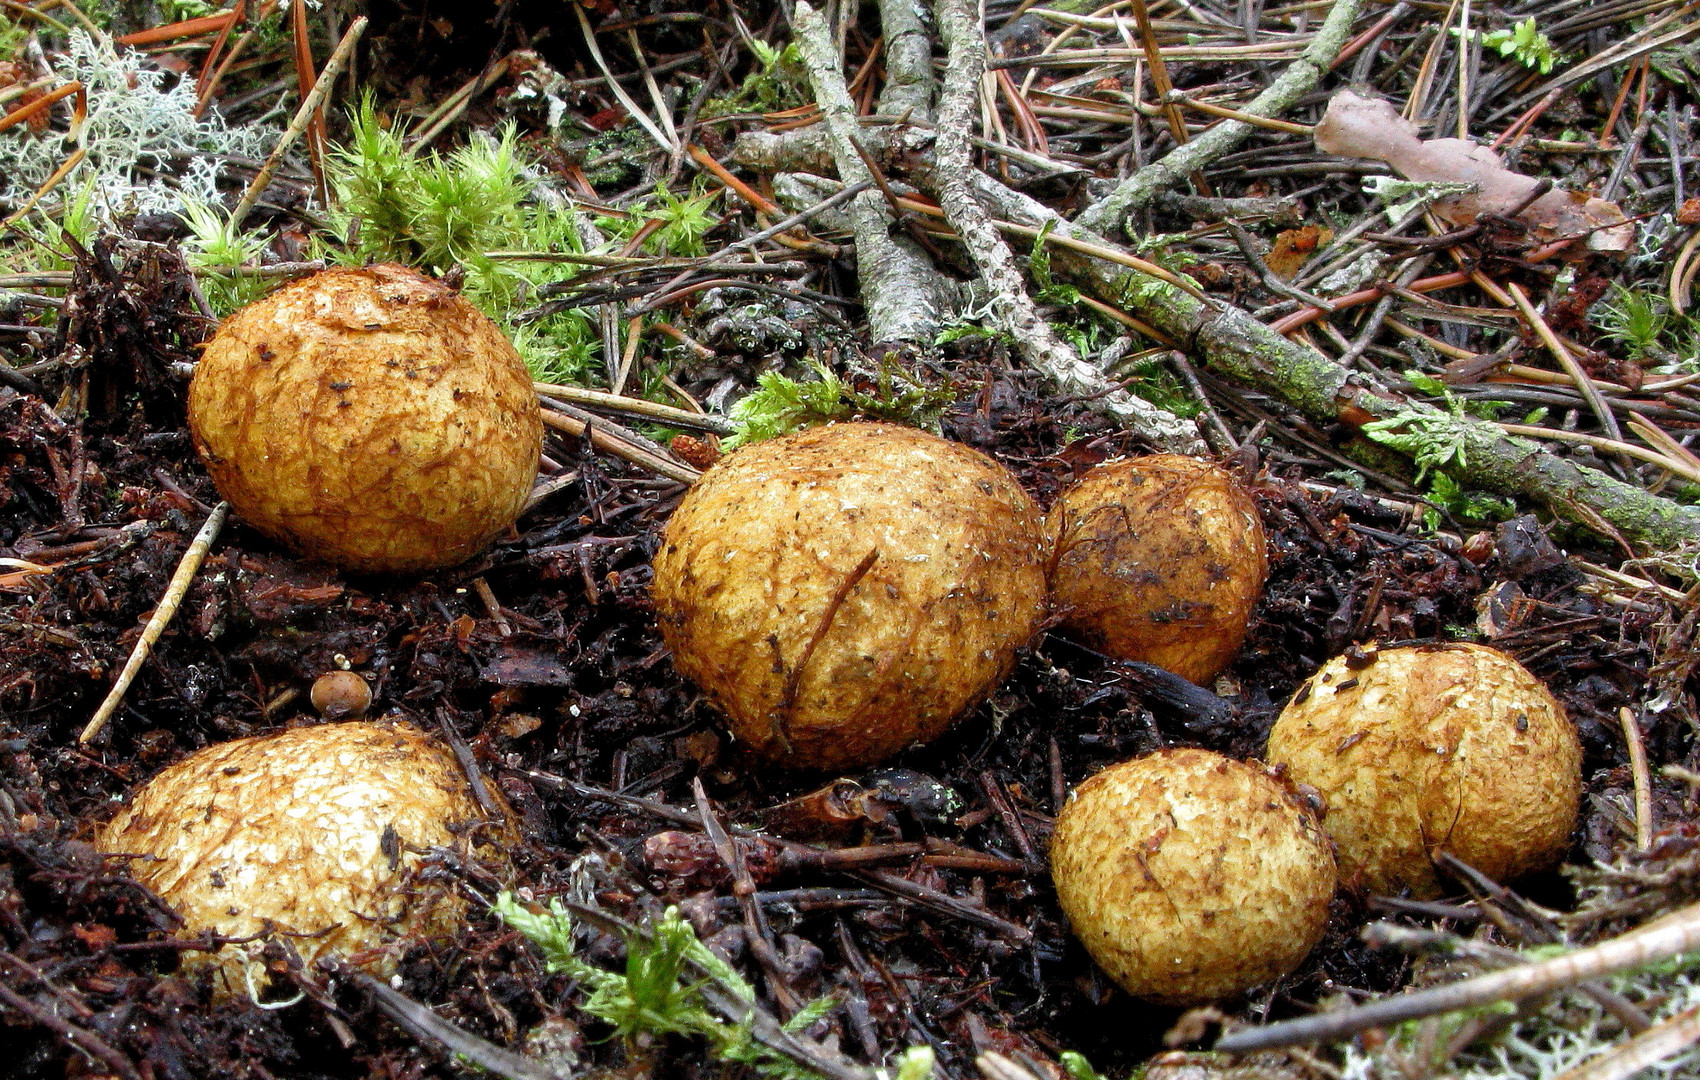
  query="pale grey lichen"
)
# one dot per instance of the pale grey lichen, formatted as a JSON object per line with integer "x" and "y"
{"x": 138, "y": 118}
{"x": 1570, "y": 1030}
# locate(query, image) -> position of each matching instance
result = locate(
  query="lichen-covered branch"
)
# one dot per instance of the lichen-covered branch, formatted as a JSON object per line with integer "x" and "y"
{"x": 901, "y": 289}
{"x": 1237, "y": 345}
{"x": 799, "y": 150}
{"x": 1012, "y": 307}
{"x": 909, "y": 91}
{"x": 1300, "y": 78}
{"x": 909, "y": 85}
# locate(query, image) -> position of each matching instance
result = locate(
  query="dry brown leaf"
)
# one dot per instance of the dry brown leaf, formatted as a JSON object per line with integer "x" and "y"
{"x": 1294, "y": 247}
{"x": 1364, "y": 127}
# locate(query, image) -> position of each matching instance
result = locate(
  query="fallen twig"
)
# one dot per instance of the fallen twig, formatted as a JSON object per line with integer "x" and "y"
{"x": 1561, "y": 353}
{"x": 1298, "y": 80}
{"x": 1643, "y": 780}
{"x": 666, "y": 414}
{"x": 423, "y": 1024}
{"x": 1235, "y": 344}
{"x": 1665, "y": 1039}
{"x": 1662, "y": 940}
{"x": 303, "y": 117}
{"x": 671, "y": 145}
{"x": 901, "y": 289}
{"x": 624, "y": 449}
{"x": 1013, "y": 308}
{"x": 175, "y": 590}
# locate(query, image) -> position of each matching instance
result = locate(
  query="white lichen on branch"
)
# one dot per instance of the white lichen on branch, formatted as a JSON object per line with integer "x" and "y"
{"x": 901, "y": 289}
{"x": 1011, "y": 305}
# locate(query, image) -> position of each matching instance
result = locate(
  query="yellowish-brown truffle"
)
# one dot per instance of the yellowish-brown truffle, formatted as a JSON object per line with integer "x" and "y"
{"x": 1190, "y": 876}
{"x": 341, "y": 695}
{"x": 313, "y": 831}
{"x": 1431, "y": 747}
{"x": 843, "y": 592}
{"x": 1159, "y": 559}
{"x": 368, "y": 417}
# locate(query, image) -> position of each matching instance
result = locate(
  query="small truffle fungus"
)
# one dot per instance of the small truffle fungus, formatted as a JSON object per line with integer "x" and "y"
{"x": 314, "y": 832}
{"x": 843, "y": 592}
{"x": 1190, "y": 876}
{"x": 1432, "y": 747}
{"x": 341, "y": 695}
{"x": 1159, "y": 559}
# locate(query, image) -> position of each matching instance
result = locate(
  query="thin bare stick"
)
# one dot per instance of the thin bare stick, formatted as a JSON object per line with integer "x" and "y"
{"x": 620, "y": 448}
{"x": 175, "y": 590}
{"x": 1661, "y": 440}
{"x": 1661, "y": 940}
{"x": 634, "y": 335}
{"x": 1663, "y": 1040}
{"x": 625, "y": 99}
{"x": 1562, "y": 354}
{"x": 455, "y": 104}
{"x": 1618, "y": 577}
{"x": 1086, "y": 247}
{"x": 794, "y": 681}
{"x": 994, "y": 1066}
{"x": 1679, "y": 467}
{"x": 549, "y": 487}
{"x": 662, "y": 111}
{"x": 81, "y": 1038}
{"x": 667, "y": 414}
{"x": 1159, "y": 72}
{"x": 1286, "y": 127}
{"x": 1109, "y": 254}
{"x": 303, "y": 117}
{"x": 1643, "y": 782}
{"x": 757, "y": 933}
{"x": 25, "y": 9}
{"x": 47, "y": 185}
{"x": 40, "y": 104}
{"x": 1682, "y": 274}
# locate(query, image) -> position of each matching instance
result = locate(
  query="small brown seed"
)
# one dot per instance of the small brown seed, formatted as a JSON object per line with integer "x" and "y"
{"x": 341, "y": 695}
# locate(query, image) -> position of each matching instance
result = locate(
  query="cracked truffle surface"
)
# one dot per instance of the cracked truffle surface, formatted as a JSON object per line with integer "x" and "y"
{"x": 313, "y": 831}
{"x": 843, "y": 592}
{"x": 1452, "y": 746}
{"x": 1191, "y": 877}
{"x": 368, "y": 417}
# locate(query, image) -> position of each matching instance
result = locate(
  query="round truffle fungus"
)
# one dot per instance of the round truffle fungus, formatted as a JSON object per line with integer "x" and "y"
{"x": 1432, "y": 747}
{"x": 843, "y": 592}
{"x": 370, "y": 418}
{"x": 1192, "y": 877}
{"x": 313, "y": 832}
{"x": 1159, "y": 559}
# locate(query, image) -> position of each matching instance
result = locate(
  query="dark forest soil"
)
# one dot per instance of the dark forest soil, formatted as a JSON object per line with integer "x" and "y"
{"x": 571, "y": 704}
